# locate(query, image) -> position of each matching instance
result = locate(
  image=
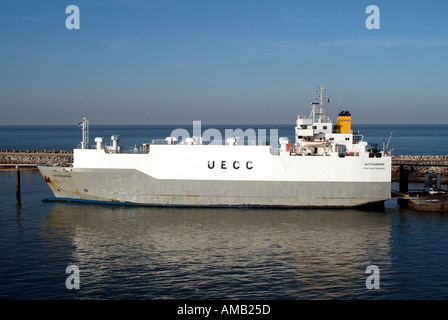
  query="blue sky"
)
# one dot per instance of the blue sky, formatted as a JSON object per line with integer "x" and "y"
{"x": 221, "y": 61}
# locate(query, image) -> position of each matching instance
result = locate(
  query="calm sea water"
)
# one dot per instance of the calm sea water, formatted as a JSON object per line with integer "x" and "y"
{"x": 168, "y": 253}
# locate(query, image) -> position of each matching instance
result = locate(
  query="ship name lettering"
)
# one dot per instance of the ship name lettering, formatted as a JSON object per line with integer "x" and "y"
{"x": 62, "y": 175}
{"x": 235, "y": 165}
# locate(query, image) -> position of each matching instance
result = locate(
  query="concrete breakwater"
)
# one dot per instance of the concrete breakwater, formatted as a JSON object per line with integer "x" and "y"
{"x": 29, "y": 157}
{"x": 420, "y": 164}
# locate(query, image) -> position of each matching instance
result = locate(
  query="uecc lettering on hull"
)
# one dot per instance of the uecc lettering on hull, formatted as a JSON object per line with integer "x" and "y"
{"x": 326, "y": 166}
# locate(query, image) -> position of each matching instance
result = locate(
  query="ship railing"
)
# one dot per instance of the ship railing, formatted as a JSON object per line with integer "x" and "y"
{"x": 146, "y": 147}
{"x": 129, "y": 149}
{"x": 210, "y": 142}
{"x": 121, "y": 149}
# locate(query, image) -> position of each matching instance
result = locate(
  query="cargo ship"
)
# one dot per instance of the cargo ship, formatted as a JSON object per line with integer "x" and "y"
{"x": 326, "y": 165}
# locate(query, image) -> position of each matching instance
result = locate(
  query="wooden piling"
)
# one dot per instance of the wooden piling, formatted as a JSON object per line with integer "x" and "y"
{"x": 404, "y": 178}
{"x": 18, "y": 184}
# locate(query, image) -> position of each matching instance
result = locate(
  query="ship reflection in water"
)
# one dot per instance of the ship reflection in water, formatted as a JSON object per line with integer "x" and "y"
{"x": 174, "y": 253}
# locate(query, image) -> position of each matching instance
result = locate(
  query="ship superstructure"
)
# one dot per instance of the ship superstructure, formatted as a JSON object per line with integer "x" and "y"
{"x": 327, "y": 165}
{"x": 317, "y": 135}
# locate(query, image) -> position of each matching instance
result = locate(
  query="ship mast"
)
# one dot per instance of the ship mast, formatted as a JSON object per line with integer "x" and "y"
{"x": 85, "y": 132}
{"x": 318, "y": 107}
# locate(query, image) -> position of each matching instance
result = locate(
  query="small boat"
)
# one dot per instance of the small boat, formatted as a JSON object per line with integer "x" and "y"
{"x": 431, "y": 202}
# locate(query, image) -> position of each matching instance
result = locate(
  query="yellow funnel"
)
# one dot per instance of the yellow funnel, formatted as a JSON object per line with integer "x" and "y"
{"x": 343, "y": 122}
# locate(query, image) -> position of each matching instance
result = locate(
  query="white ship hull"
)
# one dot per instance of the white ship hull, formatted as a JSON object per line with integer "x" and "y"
{"x": 214, "y": 175}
